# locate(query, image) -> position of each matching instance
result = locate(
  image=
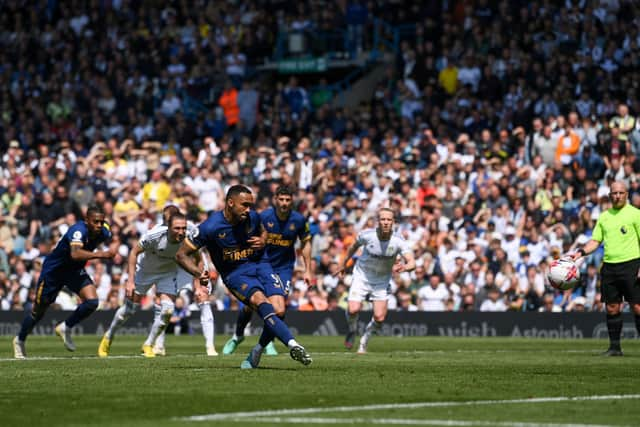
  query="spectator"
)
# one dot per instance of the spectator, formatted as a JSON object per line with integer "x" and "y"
{"x": 494, "y": 302}
{"x": 432, "y": 297}
{"x": 229, "y": 102}
{"x": 488, "y": 138}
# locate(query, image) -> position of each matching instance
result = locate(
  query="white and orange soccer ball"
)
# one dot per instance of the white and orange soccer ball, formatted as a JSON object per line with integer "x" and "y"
{"x": 563, "y": 274}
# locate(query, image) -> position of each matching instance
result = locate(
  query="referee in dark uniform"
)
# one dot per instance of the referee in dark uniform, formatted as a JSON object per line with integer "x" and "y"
{"x": 619, "y": 229}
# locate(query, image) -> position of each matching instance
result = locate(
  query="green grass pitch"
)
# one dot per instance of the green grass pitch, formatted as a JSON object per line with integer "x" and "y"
{"x": 402, "y": 381}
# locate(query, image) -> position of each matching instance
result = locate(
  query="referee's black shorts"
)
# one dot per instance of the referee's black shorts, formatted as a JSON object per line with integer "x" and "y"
{"x": 620, "y": 280}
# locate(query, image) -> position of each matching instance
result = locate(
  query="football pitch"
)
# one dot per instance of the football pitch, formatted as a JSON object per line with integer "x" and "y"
{"x": 401, "y": 381}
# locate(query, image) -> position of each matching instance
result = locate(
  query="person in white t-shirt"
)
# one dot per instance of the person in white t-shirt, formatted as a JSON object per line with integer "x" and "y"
{"x": 433, "y": 296}
{"x": 493, "y": 302}
{"x": 372, "y": 274}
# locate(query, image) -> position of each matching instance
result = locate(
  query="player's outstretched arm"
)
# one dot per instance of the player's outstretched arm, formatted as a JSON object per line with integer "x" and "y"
{"x": 408, "y": 265}
{"x": 589, "y": 247}
{"x": 306, "y": 256}
{"x": 350, "y": 252}
{"x": 131, "y": 269}
{"x": 80, "y": 254}
{"x": 186, "y": 258}
{"x": 209, "y": 270}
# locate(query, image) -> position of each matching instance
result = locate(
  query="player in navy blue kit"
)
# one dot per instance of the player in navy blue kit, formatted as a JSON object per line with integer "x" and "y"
{"x": 283, "y": 226}
{"x": 65, "y": 267}
{"x": 235, "y": 239}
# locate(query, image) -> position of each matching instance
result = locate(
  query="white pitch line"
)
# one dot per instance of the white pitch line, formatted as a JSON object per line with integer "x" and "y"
{"x": 326, "y": 353}
{"x": 407, "y": 421}
{"x": 87, "y": 357}
{"x": 378, "y": 407}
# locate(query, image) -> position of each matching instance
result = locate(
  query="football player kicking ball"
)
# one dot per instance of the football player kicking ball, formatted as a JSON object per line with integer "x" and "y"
{"x": 151, "y": 262}
{"x": 284, "y": 226}
{"x": 372, "y": 274}
{"x": 235, "y": 240}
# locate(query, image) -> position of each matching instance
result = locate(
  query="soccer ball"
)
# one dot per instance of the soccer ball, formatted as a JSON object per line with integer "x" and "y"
{"x": 563, "y": 274}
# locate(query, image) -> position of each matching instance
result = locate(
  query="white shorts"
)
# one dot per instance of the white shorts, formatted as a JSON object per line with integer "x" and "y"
{"x": 361, "y": 288}
{"x": 184, "y": 279}
{"x": 185, "y": 282}
{"x": 165, "y": 284}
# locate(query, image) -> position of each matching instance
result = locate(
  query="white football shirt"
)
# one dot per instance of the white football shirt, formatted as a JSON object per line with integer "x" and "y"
{"x": 159, "y": 253}
{"x": 378, "y": 256}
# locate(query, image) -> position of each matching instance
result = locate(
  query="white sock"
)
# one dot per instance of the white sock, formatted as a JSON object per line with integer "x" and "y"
{"x": 373, "y": 327}
{"x": 160, "y": 339}
{"x": 162, "y": 314}
{"x": 207, "y": 321}
{"x": 293, "y": 343}
{"x": 123, "y": 313}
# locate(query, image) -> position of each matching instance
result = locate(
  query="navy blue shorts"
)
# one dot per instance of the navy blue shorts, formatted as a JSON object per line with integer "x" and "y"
{"x": 244, "y": 282}
{"x": 285, "y": 275}
{"x": 276, "y": 282}
{"x": 49, "y": 286}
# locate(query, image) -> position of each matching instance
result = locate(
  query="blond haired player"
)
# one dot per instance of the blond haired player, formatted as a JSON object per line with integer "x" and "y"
{"x": 372, "y": 274}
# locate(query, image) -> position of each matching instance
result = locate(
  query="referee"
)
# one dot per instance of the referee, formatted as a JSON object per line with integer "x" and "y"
{"x": 619, "y": 229}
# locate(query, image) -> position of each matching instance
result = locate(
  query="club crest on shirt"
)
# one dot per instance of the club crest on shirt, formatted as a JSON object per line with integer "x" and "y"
{"x": 77, "y": 235}
{"x": 623, "y": 229}
{"x": 292, "y": 227}
{"x": 221, "y": 235}
{"x": 194, "y": 233}
{"x": 270, "y": 224}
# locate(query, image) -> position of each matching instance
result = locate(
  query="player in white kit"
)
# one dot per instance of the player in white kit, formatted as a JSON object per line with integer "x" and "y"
{"x": 151, "y": 262}
{"x": 185, "y": 285}
{"x": 372, "y": 274}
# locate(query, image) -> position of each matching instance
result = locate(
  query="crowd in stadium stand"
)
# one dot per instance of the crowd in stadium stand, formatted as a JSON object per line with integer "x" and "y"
{"x": 494, "y": 136}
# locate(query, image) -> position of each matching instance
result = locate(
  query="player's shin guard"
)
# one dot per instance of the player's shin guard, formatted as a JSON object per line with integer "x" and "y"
{"x": 207, "y": 321}
{"x": 277, "y": 327}
{"x": 244, "y": 317}
{"x": 83, "y": 311}
{"x": 614, "y": 327}
{"x": 123, "y": 314}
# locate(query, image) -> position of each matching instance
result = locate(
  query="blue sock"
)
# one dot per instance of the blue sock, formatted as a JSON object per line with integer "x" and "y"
{"x": 244, "y": 317}
{"x": 83, "y": 311}
{"x": 273, "y": 324}
{"x": 267, "y": 335}
{"x": 29, "y": 321}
